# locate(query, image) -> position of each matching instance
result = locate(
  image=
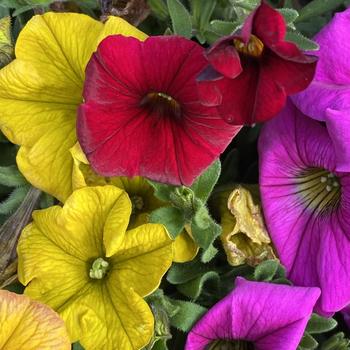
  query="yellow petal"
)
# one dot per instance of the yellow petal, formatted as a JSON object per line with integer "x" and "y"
{"x": 244, "y": 235}
{"x": 41, "y": 89}
{"x": 142, "y": 258}
{"x": 27, "y": 324}
{"x": 185, "y": 249}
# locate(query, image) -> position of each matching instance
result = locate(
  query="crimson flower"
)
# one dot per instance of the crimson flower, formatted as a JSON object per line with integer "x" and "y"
{"x": 142, "y": 115}
{"x": 251, "y": 73}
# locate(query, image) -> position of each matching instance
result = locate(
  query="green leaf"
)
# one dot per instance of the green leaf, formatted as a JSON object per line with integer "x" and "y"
{"x": 162, "y": 191}
{"x": 11, "y": 177}
{"x": 205, "y": 237}
{"x": 183, "y": 272}
{"x": 302, "y": 41}
{"x": 77, "y": 346}
{"x": 202, "y": 12}
{"x": 318, "y": 324}
{"x": 188, "y": 314}
{"x": 307, "y": 342}
{"x": 172, "y": 218}
{"x": 205, "y": 183}
{"x": 9, "y": 205}
{"x": 336, "y": 342}
{"x": 266, "y": 270}
{"x": 317, "y": 7}
{"x": 159, "y": 8}
{"x": 223, "y": 28}
{"x": 209, "y": 254}
{"x": 193, "y": 289}
{"x": 180, "y": 18}
{"x": 290, "y": 15}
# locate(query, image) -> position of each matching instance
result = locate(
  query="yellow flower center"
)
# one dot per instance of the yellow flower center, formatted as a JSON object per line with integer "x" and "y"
{"x": 254, "y": 47}
{"x": 99, "y": 269}
{"x": 162, "y": 104}
{"x": 319, "y": 188}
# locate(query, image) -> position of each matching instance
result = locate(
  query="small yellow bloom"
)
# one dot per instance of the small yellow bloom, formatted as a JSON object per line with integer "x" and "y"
{"x": 81, "y": 261}
{"x": 142, "y": 198}
{"x": 41, "y": 89}
{"x": 244, "y": 236}
{"x": 27, "y": 324}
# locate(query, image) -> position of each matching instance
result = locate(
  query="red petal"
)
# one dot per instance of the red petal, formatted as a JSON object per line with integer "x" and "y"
{"x": 225, "y": 59}
{"x": 122, "y": 136}
{"x": 269, "y": 25}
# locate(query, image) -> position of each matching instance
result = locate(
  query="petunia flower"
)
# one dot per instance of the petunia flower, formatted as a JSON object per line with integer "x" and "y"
{"x": 244, "y": 236}
{"x": 255, "y": 315}
{"x": 328, "y": 97}
{"x": 41, "y": 89}
{"x": 27, "y": 324}
{"x": 141, "y": 114}
{"x": 142, "y": 198}
{"x": 81, "y": 261}
{"x": 251, "y": 73}
{"x": 306, "y": 203}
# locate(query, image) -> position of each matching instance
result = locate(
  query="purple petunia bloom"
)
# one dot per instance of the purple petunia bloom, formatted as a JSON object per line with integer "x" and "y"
{"x": 306, "y": 202}
{"x": 255, "y": 315}
{"x": 328, "y": 97}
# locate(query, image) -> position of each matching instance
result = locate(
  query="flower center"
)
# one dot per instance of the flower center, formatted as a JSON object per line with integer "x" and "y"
{"x": 320, "y": 189}
{"x": 137, "y": 203}
{"x": 99, "y": 269}
{"x": 221, "y": 344}
{"x": 254, "y": 47}
{"x": 162, "y": 104}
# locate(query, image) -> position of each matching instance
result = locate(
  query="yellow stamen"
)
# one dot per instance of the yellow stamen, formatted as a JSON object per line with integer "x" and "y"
{"x": 254, "y": 47}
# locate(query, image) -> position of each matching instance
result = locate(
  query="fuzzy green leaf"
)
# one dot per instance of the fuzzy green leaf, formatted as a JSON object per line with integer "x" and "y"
{"x": 159, "y": 8}
{"x": 193, "y": 289}
{"x": 162, "y": 191}
{"x": 188, "y": 314}
{"x": 209, "y": 254}
{"x": 317, "y": 8}
{"x": 290, "y": 15}
{"x": 223, "y": 28}
{"x": 202, "y": 12}
{"x": 172, "y": 218}
{"x": 336, "y": 342}
{"x": 77, "y": 346}
{"x": 266, "y": 270}
{"x": 180, "y": 18}
{"x": 11, "y": 177}
{"x": 318, "y": 324}
{"x": 9, "y": 205}
{"x": 204, "y": 185}
{"x": 204, "y": 237}
{"x": 183, "y": 272}
{"x": 302, "y": 41}
{"x": 307, "y": 342}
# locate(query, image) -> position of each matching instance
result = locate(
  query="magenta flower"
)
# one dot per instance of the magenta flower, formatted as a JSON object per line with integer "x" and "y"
{"x": 255, "y": 315}
{"x": 306, "y": 202}
{"x": 328, "y": 97}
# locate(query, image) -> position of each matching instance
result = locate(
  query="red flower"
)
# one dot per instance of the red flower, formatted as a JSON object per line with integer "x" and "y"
{"x": 251, "y": 74}
{"x": 142, "y": 115}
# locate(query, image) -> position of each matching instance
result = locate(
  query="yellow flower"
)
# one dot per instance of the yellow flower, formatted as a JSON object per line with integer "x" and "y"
{"x": 27, "y": 324}
{"x": 81, "y": 261}
{"x": 41, "y": 89}
{"x": 244, "y": 236}
{"x": 142, "y": 198}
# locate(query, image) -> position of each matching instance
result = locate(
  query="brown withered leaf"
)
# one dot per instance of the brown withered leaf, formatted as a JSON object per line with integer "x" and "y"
{"x": 9, "y": 234}
{"x": 133, "y": 11}
{"x": 244, "y": 236}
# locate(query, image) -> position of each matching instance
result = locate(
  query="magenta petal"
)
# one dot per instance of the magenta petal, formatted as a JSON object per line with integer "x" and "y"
{"x": 272, "y": 316}
{"x": 338, "y": 126}
{"x": 312, "y": 245}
